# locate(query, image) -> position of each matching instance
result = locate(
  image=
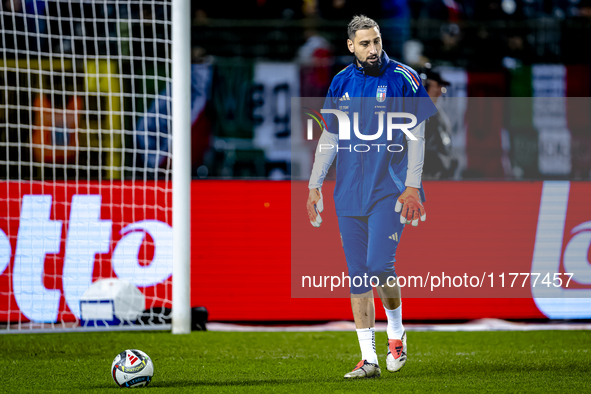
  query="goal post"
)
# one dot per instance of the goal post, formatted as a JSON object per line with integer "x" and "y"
{"x": 181, "y": 175}
{"x": 96, "y": 223}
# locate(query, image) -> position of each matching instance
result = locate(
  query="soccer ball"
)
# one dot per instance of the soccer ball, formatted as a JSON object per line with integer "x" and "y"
{"x": 132, "y": 368}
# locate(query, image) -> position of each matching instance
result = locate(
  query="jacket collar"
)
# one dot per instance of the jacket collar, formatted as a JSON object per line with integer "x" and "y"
{"x": 381, "y": 71}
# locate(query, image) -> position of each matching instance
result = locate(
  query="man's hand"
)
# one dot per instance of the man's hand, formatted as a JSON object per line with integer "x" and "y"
{"x": 410, "y": 207}
{"x": 315, "y": 205}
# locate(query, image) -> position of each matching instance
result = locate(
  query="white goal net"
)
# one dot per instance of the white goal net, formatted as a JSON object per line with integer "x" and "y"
{"x": 85, "y": 164}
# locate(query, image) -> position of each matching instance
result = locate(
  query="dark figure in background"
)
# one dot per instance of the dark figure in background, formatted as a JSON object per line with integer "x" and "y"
{"x": 576, "y": 31}
{"x": 449, "y": 47}
{"x": 24, "y": 24}
{"x": 440, "y": 163}
{"x": 396, "y": 27}
{"x": 316, "y": 59}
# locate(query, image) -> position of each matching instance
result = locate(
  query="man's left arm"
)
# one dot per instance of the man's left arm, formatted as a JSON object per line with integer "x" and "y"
{"x": 409, "y": 203}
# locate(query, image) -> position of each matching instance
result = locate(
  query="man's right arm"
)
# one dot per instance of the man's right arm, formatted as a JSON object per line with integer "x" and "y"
{"x": 323, "y": 158}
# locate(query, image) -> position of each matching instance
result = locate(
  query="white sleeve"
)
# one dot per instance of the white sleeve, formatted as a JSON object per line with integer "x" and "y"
{"x": 323, "y": 158}
{"x": 416, "y": 156}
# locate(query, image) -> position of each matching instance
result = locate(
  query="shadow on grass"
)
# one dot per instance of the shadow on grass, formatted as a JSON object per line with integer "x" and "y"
{"x": 231, "y": 383}
{"x": 246, "y": 383}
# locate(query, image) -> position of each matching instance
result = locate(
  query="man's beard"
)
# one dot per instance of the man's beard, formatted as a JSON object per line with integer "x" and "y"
{"x": 370, "y": 67}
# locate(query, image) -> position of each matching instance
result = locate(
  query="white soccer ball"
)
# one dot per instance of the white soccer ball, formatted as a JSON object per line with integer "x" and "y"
{"x": 132, "y": 368}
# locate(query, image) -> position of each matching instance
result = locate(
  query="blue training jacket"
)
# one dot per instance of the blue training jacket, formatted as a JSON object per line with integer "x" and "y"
{"x": 369, "y": 182}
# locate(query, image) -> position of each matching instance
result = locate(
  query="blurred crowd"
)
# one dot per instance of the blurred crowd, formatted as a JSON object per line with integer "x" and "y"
{"x": 464, "y": 48}
{"x": 435, "y": 9}
{"x": 468, "y": 33}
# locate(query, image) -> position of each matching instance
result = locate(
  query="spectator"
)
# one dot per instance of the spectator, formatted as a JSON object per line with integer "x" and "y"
{"x": 25, "y": 16}
{"x": 316, "y": 59}
{"x": 440, "y": 162}
{"x": 449, "y": 47}
{"x": 396, "y": 30}
{"x": 576, "y": 31}
{"x": 585, "y": 9}
{"x": 153, "y": 130}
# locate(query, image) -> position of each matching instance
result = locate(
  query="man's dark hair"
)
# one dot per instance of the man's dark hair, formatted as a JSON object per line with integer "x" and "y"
{"x": 360, "y": 22}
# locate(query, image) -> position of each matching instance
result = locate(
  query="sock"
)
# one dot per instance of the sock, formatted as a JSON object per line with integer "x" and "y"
{"x": 367, "y": 343}
{"x": 395, "y": 328}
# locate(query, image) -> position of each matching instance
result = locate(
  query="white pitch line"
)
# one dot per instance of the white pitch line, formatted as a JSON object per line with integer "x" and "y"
{"x": 475, "y": 325}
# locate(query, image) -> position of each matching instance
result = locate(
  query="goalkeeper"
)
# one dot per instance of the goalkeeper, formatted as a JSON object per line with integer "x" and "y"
{"x": 378, "y": 191}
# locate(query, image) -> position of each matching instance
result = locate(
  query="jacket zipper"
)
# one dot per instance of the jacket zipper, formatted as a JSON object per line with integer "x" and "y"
{"x": 361, "y": 128}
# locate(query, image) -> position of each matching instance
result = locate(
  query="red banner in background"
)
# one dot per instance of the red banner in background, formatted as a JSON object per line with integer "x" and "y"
{"x": 241, "y": 254}
{"x": 58, "y": 237}
{"x": 241, "y": 245}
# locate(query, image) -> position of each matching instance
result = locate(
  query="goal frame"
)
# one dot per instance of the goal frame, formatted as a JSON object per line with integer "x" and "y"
{"x": 181, "y": 166}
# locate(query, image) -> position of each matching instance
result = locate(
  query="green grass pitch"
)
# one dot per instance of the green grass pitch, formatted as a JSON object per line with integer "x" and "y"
{"x": 219, "y": 362}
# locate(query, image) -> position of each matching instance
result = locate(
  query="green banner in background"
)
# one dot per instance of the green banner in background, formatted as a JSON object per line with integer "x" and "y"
{"x": 232, "y": 99}
{"x": 523, "y": 135}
